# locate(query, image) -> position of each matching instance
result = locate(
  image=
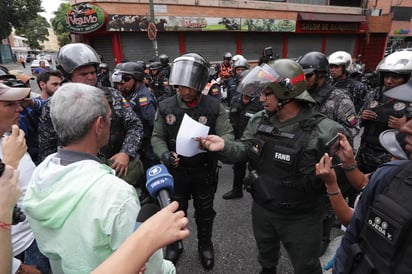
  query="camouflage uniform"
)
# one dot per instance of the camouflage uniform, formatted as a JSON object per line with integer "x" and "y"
{"x": 131, "y": 124}
{"x": 338, "y": 106}
{"x": 355, "y": 89}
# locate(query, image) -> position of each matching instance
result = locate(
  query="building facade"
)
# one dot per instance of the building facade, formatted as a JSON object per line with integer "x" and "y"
{"x": 213, "y": 27}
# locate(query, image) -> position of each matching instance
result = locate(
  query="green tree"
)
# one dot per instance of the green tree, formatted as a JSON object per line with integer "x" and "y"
{"x": 60, "y": 26}
{"x": 16, "y": 13}
{"x": 35, "y": 30}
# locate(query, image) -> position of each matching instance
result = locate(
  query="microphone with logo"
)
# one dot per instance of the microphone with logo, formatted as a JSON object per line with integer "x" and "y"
{"x": 159, "y": 184}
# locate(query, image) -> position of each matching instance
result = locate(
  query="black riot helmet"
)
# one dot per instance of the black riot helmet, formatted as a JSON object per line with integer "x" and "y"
{"x": 133, "y": 69}
{"x": 73, "y": 56}
{"x": 155, "y": 65}
{"x": 227, "y": 56}
{"x": 164, "y": 59}
{"x": 190, "y": 70}
{"x": 314, "y": 61}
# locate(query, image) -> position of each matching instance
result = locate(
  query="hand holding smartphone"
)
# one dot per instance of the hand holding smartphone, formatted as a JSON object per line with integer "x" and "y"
{"x": 332, "y": 146}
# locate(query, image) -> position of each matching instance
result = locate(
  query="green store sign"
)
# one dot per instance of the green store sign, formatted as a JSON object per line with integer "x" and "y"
{"x": 85, "y": 18}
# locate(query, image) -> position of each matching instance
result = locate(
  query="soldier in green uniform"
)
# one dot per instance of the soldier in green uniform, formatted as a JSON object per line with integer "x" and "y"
{"x": 194, "y": 177}
{"x": 283, "y": 142}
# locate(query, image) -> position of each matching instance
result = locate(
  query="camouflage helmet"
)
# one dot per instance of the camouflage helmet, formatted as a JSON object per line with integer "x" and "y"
{"x": 340, "y": 58}
{"x": 190, "y": 70}
{"x": 314, "y": 61}
{"x": 75, "y": 55}
{"x": 284, "y": 76}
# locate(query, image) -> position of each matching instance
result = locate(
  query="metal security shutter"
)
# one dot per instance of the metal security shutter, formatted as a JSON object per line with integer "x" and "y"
{"x": 168, "y": 43}
{"x": 211, "y": 45}
{"x": 299, "y": 44}
{"x": 136, "y": 46}
{"x": 103, "y": 46}
{"x": 345, "y": 42}
{"x": 253, "y": 44}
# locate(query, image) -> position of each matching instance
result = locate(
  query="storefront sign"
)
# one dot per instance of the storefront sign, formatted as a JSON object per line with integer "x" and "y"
{"x": 84, "y": 18}
{"x": 177, "y": 23}
{"x": 328, "y": 27}
{"x": 401, "y": 31}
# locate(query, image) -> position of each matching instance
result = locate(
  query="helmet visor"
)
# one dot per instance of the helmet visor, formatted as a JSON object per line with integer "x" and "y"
{"x": 258, "y": 79}
{"x": 188, "y": 72}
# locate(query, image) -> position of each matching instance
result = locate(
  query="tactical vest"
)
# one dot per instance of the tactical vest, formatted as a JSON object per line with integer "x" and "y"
{"x": 383, "y": 110}
{"x": 386, "y": 239}
{"x": 205, "y": 112}
{"x": 225, "y": 71}
{"x": 240, "y": 114}
{"x": 285, "y": 184}
{"x": 116, "y": 129}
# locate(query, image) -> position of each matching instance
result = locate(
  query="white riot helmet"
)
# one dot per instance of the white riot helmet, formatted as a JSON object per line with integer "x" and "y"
{"x": 399, "y": 62}
{"x": 340, "y": 58}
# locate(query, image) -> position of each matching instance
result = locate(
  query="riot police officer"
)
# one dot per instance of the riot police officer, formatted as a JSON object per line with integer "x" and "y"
{"x": 381, "y": 113}
{"x": 282, "y": 143}
{"x": 164, "y": 60}
{"x": 144, "y": 105}
{"x": 378, "y": 239}
{"x": 160, "y": 83}
{"x": 103, "y": 75}
{"x": 194, "y": 177}
{"x": 241, "y": 64}
{"x": 79, "y": 62}
{"x": 340, "y": 62}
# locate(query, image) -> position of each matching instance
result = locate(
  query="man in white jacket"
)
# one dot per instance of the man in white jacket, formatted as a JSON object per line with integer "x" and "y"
{"x": 79, "y": 210}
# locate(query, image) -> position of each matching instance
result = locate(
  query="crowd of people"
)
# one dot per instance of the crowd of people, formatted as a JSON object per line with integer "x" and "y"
{"x": 288, "y": 127}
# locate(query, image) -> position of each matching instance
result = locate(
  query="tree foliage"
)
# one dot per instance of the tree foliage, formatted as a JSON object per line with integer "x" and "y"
{"x": 60, "y": 26}
{"x": 35, "y": 30}
{"x": 16, "y": 13}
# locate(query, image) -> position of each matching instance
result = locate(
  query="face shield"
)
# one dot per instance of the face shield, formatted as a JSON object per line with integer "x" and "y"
{"x": 258, "y": 79}
{"x": 189, "y": 71}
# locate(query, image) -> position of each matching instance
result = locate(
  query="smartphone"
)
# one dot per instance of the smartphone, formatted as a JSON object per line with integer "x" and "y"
{"x": 332, "y": 145}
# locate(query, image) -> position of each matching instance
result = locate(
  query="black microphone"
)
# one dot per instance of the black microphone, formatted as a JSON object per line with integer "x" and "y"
{"x": 159, "y": 184}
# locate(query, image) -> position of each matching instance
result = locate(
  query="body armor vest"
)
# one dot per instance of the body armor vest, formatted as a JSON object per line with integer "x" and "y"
{"x": 383, "y": 110}
{"x": 116, "y": 129}
{"x": 240, "y": 114}
{"x": 386, "y": 244}
{"x": 285, "y": 184}
{"x": 205, "y": 112}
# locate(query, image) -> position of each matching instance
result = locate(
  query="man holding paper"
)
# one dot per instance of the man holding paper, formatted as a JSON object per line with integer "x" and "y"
{"x": 182, "y": 118}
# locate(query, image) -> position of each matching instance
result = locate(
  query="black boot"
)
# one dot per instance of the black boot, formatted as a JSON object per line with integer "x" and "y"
{"x": 268, "y": 271}
{"x": 205, "y": 245}
{"x": 173, "y": 251}
{"x": 326, "y": 229}
{"x": 207, "y": 254}
{"x": 233, "y": 194}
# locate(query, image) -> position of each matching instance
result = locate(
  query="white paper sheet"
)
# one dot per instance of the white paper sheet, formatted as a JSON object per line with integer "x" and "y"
{"x": 186, "y": 145}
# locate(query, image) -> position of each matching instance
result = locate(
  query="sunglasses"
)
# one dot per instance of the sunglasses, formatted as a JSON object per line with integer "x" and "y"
{"x": 126, "y": 78}
{"x": 309, "y": 75}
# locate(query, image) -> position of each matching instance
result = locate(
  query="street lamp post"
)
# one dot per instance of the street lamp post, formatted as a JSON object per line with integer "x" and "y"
{"x": 152, "y": 20}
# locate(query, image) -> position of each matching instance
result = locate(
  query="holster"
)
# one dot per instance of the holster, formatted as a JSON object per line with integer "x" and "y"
{"x": 357, "y": 262}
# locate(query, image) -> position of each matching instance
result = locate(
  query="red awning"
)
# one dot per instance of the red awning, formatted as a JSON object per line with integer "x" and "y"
{"x": 328, "y": 17}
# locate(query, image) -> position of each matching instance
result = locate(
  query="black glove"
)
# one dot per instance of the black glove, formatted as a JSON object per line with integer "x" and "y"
{"x": 168, "y": 159}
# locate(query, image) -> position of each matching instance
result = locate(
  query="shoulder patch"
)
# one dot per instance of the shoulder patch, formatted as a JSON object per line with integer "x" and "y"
{"x": 143, "y": 101}
{"x": 352, "y": 120}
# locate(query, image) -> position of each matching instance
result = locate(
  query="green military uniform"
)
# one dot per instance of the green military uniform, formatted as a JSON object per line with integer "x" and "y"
{"x": 288, "y": 213}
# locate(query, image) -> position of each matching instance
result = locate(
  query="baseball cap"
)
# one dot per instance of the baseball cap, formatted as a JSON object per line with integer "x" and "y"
{"x": 13, "y": 94}
{"x": 394, "y": 142}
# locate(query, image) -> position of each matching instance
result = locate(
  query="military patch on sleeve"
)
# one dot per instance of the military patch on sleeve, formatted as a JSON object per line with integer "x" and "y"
{"x": 125, "y": 103}
{"x": 143, "y": 101}
{"x": 352, "y": 120}
{"x": 399, "y": 106}
{"x": 170, "y": 119}
{"x": 203, "y": 120}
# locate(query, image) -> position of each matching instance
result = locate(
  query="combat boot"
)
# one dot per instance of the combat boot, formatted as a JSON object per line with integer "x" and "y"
{"x": 205, "y": 245}
{"x": 207, "y": 254}
{"x": 233, "y": 194}
{"x": 173, "y": 251}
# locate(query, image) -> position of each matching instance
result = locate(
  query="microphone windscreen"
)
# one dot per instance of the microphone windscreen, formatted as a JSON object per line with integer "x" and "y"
{"x": 147, "y": 211}
{"x": 157, "y": 178}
